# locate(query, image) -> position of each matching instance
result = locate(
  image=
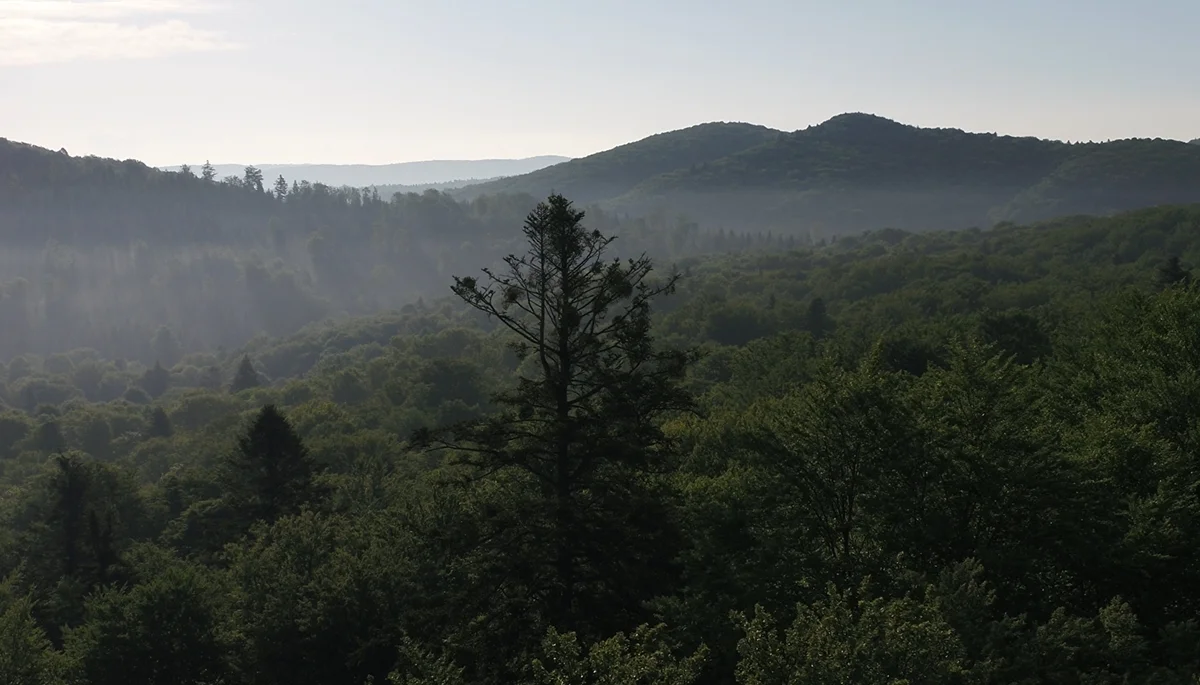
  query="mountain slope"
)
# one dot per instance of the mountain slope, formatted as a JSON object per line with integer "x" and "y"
{"x": 859, "y": 171}
{"x": 403, "y": 173}
{"x": 613, "y": 172}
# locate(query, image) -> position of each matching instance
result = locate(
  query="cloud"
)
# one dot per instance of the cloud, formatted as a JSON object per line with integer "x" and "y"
{"x": 55, "y": 31}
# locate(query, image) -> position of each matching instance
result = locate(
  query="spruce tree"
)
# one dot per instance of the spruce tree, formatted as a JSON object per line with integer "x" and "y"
{"x": 577, "y": 443}
{"x": 1172, "y": 273}
{"x": 271, "y": 474}
{"x": 817, "y": 319}
{"x": 281, "y": 187}
{"x": 160, "y": 424}
{"x": 245, "y": 378}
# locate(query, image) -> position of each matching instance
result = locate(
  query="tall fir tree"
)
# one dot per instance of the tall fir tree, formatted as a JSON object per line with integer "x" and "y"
{"x": 578, "y": 441}
{"x": 271, "y": 474}
{"x": 246, "y": 376}
{"x": 1171, "y": 273}
{"x": 281, "y": 187}
{"x": 160, "y": 424}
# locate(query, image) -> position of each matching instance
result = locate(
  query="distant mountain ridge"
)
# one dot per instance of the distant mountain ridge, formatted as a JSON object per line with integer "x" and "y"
{"x": 613, "y": 172}
{"x": 860, "y": 171}
{"x": 424, "y": 173}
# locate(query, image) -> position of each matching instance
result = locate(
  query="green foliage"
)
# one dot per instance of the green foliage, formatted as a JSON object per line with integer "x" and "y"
{"x": 167, "y": 628}
{"x": 843, "y": 640}
{"x": 26, "y": 656}
{"x": 642, "y": 658}
{"x": 958, "y": 457}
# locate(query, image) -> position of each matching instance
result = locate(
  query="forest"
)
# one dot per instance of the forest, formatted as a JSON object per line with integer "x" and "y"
{"x": 858, "y": 171}
{"x": 899, "y": 457}
{"x": 142, "y": 265}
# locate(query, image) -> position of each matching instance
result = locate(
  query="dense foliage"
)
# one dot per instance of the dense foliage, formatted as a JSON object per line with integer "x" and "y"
{"x": 962, "y": 457}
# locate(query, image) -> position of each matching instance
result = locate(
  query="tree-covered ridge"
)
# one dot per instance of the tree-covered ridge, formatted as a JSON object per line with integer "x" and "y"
{"x": 614, "y": 172}
{"x": 860, "y": 172}
{"x": 428, "y": 173}
{"x": 940, "y": 457}
{"x": 102, "y": 254}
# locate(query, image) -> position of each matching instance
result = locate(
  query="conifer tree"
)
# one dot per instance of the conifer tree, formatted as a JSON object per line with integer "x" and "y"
{"x": 579, "y": 435}
{"x": 1172, "y": 273}
{"x": 160, "y": 424}
{"x": 271, "y": 474}
{"x": 245, "y": 378}
{"x": 281, "y": 187}
{"x": 208, "y": 173}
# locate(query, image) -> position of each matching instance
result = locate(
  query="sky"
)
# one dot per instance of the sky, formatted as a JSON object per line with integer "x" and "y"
{"x": 379, "y": 81}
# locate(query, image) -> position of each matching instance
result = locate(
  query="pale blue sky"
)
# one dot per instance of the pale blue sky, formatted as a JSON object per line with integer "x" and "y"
{"x": 376, "y": 81}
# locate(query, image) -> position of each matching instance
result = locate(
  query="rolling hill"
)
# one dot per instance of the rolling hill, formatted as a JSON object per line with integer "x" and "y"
{"x": 858, "y": 172}
{"x": 611, "y": 173}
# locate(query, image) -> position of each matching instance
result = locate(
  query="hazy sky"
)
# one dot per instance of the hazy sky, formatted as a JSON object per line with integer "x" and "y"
{"x": 375, "y": 81}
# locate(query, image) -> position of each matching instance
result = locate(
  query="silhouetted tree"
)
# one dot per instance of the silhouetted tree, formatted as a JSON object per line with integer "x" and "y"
{"x": 68, "y": 487}
{"x": 271, "y": 474}
{"x": 1172, "y": 273}
{"x": 208, "y": 173}
{"x": 160, "y": 424}
{"x": 245, "y": 377}
{"x": 582, "y": 430}
{"x": 253, "y": 178}
{"x": 817, "y": 320}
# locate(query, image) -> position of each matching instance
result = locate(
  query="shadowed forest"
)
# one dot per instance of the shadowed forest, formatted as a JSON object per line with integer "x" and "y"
{"x": 145, "y": 265}
{"x": 258, "y": 432}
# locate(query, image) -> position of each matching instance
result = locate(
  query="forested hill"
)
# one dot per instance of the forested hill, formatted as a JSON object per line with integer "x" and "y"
{"x": 938, "y": 458}
{"x": 609, "y": 174}
{"x": 109, "y": 255}
{"x": 421, "y": 173}
{"x": 859, "y": 172}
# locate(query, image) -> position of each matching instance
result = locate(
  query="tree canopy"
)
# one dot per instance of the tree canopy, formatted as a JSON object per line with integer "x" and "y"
{"x": 948, "y": 457}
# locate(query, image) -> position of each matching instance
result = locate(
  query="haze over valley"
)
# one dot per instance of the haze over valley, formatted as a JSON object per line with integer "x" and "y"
{"x": 599, "y": 343}
{"x": 407, "y": 174}
{"x": 222, "y": 259}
